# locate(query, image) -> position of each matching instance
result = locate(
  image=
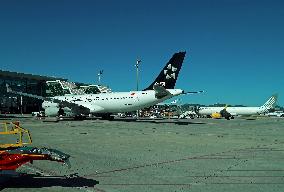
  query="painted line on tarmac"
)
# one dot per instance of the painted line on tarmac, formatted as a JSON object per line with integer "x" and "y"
{"x": 36, "y": 170}
{"x": 180, "y": 160}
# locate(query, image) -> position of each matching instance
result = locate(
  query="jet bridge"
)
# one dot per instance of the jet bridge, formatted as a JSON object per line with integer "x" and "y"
{"x": 60, "y": 88}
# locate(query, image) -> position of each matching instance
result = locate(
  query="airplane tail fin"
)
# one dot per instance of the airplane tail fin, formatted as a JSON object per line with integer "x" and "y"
{"x": 168, "y": 76}
{"x": 271, "y": 102}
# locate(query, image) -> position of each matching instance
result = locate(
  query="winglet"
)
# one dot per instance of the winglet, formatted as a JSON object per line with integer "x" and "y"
{"x": 193, "y": 92}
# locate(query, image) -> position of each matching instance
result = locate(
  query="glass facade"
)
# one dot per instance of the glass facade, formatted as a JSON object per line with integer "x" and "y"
{"x": 27, "y": 83}
{"x": 91, "y": 90}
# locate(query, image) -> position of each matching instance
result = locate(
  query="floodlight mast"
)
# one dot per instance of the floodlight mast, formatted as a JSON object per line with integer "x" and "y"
{"x": 99, "y": 76}
{"x": 138, "y": 61}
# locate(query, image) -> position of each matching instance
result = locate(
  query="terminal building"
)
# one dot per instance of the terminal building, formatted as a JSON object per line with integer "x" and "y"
{"x": 37, "y": 85}
{"x": 28, "y": 83}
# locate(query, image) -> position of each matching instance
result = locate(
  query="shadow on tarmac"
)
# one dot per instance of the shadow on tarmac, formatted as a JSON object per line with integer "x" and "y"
{"x": 35, "y": 181}
{"x": 158, "y": 121}
{"x": 11, "y": 117}
{"x": 142, "y": 120}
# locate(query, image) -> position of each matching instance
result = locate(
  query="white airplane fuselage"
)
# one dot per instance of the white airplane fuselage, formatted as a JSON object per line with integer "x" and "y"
{"x": 232, "y": 110}
{"x": 108, "y": 102}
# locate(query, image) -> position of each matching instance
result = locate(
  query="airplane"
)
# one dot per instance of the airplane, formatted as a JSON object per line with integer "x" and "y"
{"x": 178, "y": 101}
{"x": 174, "y": 102}
{"x": 230, "y": 112}
{"x": 106, "y": 104}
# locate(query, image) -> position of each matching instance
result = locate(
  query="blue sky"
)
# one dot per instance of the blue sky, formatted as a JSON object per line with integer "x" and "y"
{"x": 235, "y": 48}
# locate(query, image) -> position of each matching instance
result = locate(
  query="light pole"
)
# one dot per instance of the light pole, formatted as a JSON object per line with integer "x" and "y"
{"x": 21, "y": 102}
{"x": 138, "y": 61}
{"x": 99, "y": 76}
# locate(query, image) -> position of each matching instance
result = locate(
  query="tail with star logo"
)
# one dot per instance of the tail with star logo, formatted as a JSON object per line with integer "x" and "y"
{"x": 168, "y": 76}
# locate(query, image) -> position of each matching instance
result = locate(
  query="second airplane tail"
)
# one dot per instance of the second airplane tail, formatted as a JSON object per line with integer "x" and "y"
{"x": 168, "y": 76}
{"x": 270, "y": 103}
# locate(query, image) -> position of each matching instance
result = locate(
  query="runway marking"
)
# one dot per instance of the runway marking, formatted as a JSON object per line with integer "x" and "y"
{"x": 36, "y": 170}
{"x": 217, "y": 155}
{"x": 254, "y": 170}
{"x": 188, "y": 184}
{"x": 156, "y": 184}
{"x": 202, "y": 176}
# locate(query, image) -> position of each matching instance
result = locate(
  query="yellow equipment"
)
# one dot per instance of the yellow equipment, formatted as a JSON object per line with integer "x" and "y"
{"x": 216, "y": 115}
{"x": 14, "y": 128}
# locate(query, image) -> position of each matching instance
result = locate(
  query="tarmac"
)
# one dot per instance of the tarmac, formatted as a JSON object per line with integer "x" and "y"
{"x": 156, "y": 155}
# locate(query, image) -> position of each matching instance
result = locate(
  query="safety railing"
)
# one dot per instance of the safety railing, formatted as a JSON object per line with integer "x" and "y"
{"x": 14, "y": 129}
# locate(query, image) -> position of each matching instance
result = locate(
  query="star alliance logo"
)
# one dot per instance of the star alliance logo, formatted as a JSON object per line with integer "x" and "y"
{"x": 170, "y": 72}
{"x": 163, "y": 84}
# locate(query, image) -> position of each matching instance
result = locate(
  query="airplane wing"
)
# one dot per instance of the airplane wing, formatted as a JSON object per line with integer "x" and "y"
{"x": 160, "y": 91}
{"x": 76, "y": 108}
{"x": 175, "y": 102}
{"x": 9, "y": 90}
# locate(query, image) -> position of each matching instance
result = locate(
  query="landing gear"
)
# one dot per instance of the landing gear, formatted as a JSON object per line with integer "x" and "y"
{"x": 226, "y": 114}
{"x": 61, "y": 112}
{"x": 80, "y": 117}
{"x": 228, "y": 118}
{"x": 107, "y": 116}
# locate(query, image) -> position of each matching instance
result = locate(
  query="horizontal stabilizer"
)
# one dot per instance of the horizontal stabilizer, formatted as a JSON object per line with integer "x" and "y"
{"x": 193, "y": 92}
{"x": 160, "y": 92}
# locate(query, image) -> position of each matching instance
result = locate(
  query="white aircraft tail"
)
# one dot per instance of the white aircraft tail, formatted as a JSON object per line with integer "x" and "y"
{"x": 270, "y": 103}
